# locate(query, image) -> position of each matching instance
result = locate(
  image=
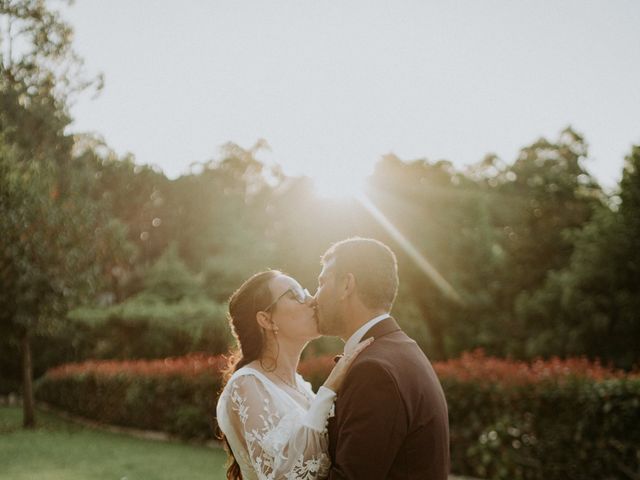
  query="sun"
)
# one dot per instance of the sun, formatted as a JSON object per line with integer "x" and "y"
{"x": 333, "y": 185}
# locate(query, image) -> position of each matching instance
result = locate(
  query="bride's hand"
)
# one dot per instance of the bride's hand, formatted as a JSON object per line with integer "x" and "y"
{"x": 336, "y": 377}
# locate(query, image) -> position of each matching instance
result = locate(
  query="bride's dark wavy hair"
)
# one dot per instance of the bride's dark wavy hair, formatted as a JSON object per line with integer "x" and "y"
{"x": 253, "y": 296}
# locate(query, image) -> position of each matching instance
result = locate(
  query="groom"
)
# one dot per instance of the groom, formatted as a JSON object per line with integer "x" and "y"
{"x": 390, "y": 415}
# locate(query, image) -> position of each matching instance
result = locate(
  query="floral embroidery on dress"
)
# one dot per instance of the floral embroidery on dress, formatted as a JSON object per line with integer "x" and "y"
{"x": 277, "y": 443}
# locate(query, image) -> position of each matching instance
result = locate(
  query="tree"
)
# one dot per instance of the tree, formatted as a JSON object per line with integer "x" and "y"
{"x": 533, "y": 203}
{"x": 493, "y": 232}
{"x": 53, "y": 241}
{"x": 37, "y": 54}
{"x": 51, "y": 252}
{"x": 443, "y": 214}
{"x": 219, "y": 219}
{"x": 591, "y": 306}
{"x": 139, "y": 197}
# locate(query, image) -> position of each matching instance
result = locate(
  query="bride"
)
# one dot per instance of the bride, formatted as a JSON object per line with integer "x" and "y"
{"x": 273, "y": 424}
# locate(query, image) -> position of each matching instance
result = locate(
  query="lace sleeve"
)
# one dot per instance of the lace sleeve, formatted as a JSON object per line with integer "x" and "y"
{"x": 280, "y": 442}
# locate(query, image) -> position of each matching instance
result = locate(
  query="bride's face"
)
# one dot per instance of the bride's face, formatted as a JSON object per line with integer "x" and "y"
{"x": 292, "y": 311}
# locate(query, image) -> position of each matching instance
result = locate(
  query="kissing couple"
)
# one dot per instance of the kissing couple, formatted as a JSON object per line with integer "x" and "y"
{"x": 381, "y": 413}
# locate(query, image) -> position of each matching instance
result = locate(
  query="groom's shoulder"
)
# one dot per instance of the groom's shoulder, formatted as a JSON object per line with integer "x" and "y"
{"x": 396, "y": 353}
{"x": 391, "y": 365}
{"x": 392, "y": 353}
{"x": 396, "y": 344}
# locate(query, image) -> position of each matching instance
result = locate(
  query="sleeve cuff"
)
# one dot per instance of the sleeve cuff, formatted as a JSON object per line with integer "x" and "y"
{"x": 316, "y": 416}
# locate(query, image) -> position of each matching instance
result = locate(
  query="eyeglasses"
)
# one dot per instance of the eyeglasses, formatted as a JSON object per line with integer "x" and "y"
{"x": 300, "y": 295}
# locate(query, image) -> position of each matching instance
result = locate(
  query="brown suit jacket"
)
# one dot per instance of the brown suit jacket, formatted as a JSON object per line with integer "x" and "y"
{"x": 391, "y": 417}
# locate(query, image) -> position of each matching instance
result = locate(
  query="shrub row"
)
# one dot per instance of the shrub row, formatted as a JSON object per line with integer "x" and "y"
{"x": 553, "y": 419}
{"x": 175, "y": 395}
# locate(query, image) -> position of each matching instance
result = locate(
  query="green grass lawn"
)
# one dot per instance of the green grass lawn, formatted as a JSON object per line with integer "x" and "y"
{"x": 60, "y": 450}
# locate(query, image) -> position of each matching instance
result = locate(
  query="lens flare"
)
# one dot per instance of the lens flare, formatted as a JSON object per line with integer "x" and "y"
{"x": 422, "y": 263}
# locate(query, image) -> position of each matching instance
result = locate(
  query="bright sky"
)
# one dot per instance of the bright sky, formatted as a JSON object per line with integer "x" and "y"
{"x": 333, "y": 85}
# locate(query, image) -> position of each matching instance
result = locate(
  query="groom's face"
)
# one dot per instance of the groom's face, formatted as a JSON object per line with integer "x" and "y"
{"x": 328, "y": 303}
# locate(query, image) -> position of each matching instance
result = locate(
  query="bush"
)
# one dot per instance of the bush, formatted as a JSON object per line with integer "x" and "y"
{"x": 175, "y": 395}
{"x": 553, "y": 419}
{"x": 146, "y": 326}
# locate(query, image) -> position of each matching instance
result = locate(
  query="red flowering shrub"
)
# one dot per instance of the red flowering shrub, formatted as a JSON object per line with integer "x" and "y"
{"x": 476, "y": 366}
{"x": 316, "y": 370}
{"x": 188, "y": 366}
{"x": 177, "y": 395}
{"x": 548, "y": 419}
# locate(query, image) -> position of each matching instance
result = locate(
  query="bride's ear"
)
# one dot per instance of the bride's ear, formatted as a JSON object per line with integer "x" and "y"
{"x": 264, "y": 320}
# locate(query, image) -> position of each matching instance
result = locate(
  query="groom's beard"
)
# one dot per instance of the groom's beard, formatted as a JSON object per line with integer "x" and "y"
{"x": 330, "y": 323}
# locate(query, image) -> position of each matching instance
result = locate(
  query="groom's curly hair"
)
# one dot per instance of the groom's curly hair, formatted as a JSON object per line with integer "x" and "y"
{"x": 372, "y": 264}
{"x": 252, "y": 296}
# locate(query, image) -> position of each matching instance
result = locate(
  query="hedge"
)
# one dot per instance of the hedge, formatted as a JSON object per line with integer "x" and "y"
{"x": 553, "y": 419}
{"x": 175, "y": 395}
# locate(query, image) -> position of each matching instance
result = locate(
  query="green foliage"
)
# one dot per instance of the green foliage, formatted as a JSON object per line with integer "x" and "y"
{"x": 533, "y": 203}
{"x": 495, "y": 232}
{"x": 52, "y": 249}
{"x": 551, "y": 431}
{"x": 221, "y": 222}
{"x": 592, "y": 305}
{"x": 137, "y": 197}
{"x": 138, "y": 329}
{"x": 187, "y": 313}
{"x": 170, "y": 317}
{"x": 37, "y": 52}
{"x": 53, "y": 242}
{"x": 169, "y": 278}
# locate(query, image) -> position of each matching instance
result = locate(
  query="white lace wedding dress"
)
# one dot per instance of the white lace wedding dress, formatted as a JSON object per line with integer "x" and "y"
{"x": 272, "y": 436}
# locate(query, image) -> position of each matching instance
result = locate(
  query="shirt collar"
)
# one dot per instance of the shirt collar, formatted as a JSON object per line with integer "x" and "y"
{"x": 354, "y": 339}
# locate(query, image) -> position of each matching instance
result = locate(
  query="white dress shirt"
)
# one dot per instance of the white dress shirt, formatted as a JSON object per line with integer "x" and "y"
{"x": 354, "y": 339}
